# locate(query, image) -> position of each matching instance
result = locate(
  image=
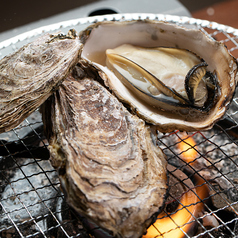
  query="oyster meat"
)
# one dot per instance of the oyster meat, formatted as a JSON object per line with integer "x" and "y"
{"x": 159, "y": 84}
{"x": 171, "y": 76}
{"x": 109, "y": 166}
{"x": 30, "y": 75}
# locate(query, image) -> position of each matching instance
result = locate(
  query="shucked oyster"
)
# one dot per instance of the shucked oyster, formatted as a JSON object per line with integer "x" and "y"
{"x": 173, "y": 77}
{"x": 29, "y": 76}
{"x": 109, "y": 167}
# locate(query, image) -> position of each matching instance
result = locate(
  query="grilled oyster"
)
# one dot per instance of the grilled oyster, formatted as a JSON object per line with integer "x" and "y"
{"x": 173, "y": 77}
{"x": 109, "y": 167}
{"x": 29, "y": 76}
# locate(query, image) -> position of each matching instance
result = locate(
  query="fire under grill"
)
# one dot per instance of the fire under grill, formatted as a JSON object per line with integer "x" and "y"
{"x": 203, "y": 168}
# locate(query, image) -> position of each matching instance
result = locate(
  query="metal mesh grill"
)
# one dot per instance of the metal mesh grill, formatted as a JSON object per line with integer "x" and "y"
{"x": 216, "y": 165}
{"x": 32, "y": 204}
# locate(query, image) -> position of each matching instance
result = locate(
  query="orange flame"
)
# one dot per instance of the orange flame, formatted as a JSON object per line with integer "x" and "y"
{"x": 187, "y": 147}
{"x": 180, "y": 222}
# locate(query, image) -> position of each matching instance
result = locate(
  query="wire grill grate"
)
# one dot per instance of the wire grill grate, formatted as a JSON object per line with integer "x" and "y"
{"x": 31, "y": 202}
{"x": 218, "y": 165}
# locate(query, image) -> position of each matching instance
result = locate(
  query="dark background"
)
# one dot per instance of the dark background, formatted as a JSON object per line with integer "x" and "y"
{"x": 17, "y": 13}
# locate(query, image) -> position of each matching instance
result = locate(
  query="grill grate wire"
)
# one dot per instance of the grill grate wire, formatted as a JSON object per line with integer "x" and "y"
{"x": 32, "y": 204}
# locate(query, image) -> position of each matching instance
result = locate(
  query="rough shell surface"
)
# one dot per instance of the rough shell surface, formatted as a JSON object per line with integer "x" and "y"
{"x": 102, "y": 36}
{"x": 30, "y": 75}
{"x": 110, "y": 168}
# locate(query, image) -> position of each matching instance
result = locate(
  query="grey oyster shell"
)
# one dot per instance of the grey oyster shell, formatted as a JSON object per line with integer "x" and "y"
{"x": 30, "y": 75}
{"x": 109, "y": 167}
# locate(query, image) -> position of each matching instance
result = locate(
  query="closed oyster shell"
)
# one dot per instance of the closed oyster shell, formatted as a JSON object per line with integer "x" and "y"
{"x": 109, "y": 167}
{"x": 149, "y": 34}
{"x": 30, "y": 75}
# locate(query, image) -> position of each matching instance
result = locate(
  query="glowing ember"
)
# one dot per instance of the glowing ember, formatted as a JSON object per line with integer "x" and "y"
{"x": 178, "y": 223}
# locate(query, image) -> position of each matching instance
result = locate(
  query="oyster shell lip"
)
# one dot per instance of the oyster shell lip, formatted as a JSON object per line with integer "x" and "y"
{"x": 157, "y": 34}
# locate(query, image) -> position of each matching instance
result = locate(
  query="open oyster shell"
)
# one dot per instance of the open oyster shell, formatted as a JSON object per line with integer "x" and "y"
{"x": 109, "y": 167}
{"x": 30, "y": 75}
{"x": 172, "y": 113}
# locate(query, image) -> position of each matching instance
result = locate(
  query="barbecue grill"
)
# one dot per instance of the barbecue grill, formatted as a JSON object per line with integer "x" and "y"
{"x": 202, "y": 164}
